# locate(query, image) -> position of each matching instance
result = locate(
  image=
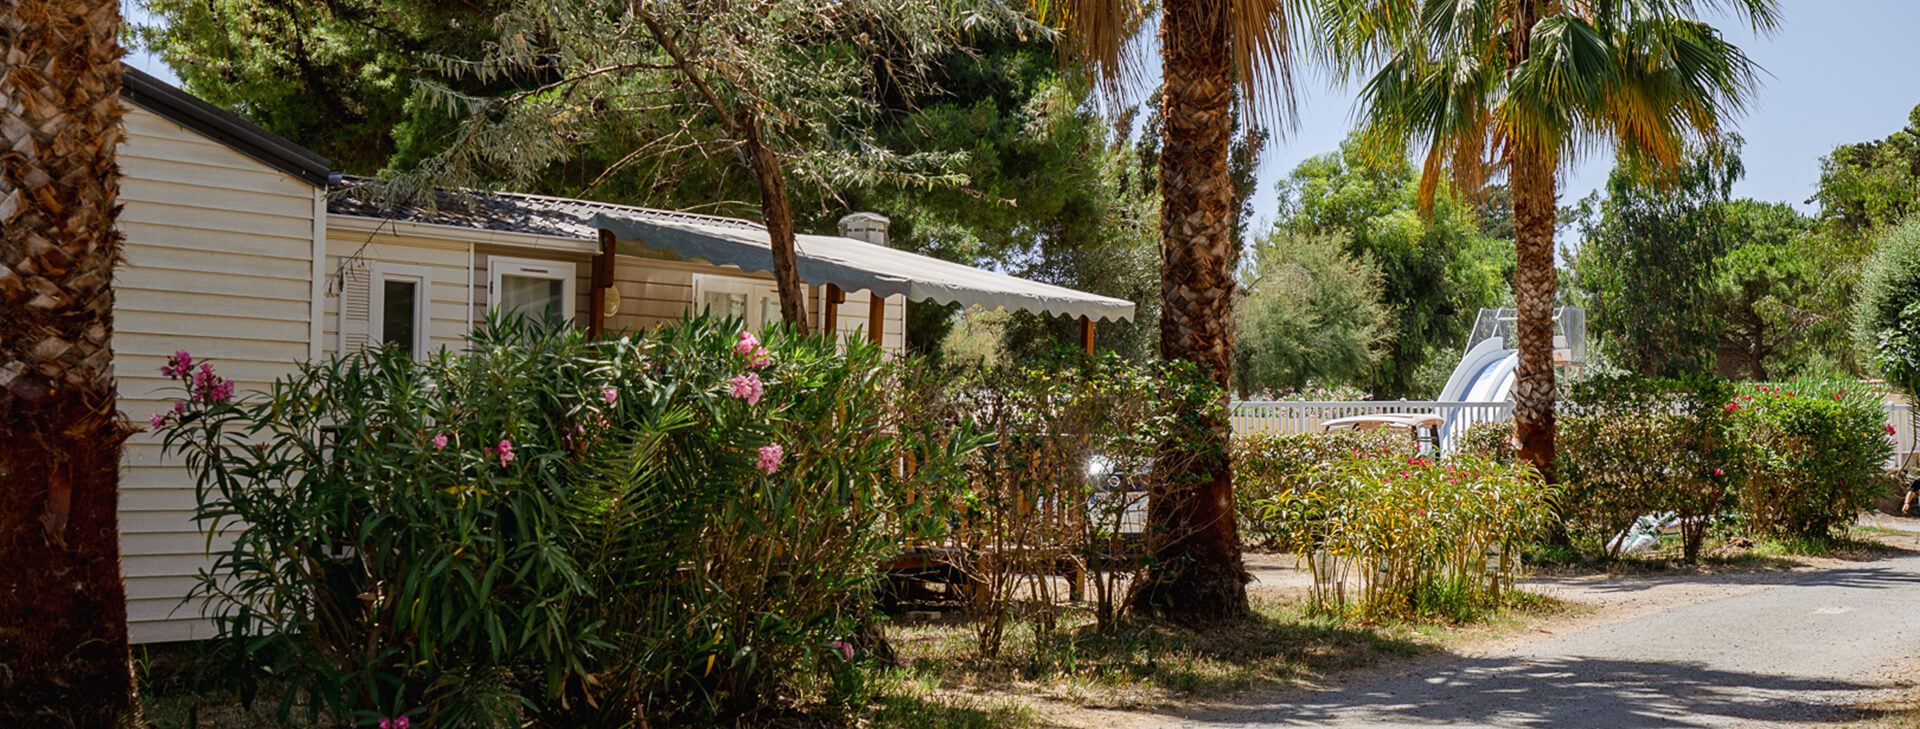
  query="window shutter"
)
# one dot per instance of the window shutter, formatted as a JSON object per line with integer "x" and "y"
{"x": 356, "y": 308}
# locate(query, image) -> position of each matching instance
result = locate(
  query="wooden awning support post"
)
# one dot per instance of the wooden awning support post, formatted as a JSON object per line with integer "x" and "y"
{"x": 830, "y": 322}
{"x": 876, "y": 316}
{"x": 601, "y": 281}
{"x": 1086, "y": 334}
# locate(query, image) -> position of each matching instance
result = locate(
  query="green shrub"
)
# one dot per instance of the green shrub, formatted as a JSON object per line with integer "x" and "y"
{"x": 1409, "y": 534}
{"x": 1076, "y": 445}
{"x": 554, "y": 529}
{"x": 1266, "y": 465}
{"x": 1636, "y": 445}
{"x": 1815, "y": 455}
{"x": 1887, "y": 316}
{"x": 1492, "y": 439}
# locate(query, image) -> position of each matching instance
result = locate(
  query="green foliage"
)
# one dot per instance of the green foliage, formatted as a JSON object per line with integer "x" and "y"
{"x": 1492, "y": 439}
{"x": 337, "y": 76}
{"x": 1411, "y": 534}
{"x": 1076, "y": 447}
{"x": 1887, "y": 316}
{"x": 1311, "y": 313}
{"x": 1765, "y": 294}
{"x": 1266, "y": 465}
{"x": 560, "y": 528}
{"x": 1815, "y": 452}
{"x": 1870, "y": 185}
{"x": 1634, "y": 445}
{"x": 1434, "y": 271}
{"x": 1646, "y": 260}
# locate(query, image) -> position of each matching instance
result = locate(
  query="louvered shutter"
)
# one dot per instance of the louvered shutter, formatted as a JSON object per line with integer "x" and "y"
{"x": 356, "y": 308}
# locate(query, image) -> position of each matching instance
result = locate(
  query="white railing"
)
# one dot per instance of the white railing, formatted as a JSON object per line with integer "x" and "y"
{"x": 1899, "y": 415}
{"x": 1306, "y": 416}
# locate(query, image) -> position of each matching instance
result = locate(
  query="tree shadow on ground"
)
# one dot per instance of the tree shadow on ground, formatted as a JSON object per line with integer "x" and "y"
{"x": 1146, "y": 663}
{"x": 1570, "y": 693}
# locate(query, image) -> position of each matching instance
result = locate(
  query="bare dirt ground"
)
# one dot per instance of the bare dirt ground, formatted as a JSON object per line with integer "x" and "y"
{"x": 1801, "y": 641}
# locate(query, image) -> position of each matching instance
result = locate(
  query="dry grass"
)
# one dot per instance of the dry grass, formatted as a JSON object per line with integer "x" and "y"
{"x": 1154, "y": 665}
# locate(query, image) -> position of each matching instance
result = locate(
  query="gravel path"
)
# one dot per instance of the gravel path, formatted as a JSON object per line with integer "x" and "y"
{"x": 1787, "y": 648}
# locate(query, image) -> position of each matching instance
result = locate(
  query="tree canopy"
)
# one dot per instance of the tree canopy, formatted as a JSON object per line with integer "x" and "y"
{"x": 1435, "y": 269}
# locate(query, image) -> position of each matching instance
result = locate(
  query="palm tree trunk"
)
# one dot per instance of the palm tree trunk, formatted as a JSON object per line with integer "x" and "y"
{"x": 63, "y": 622}
{"x": 1533, "y": 222}
{"x": 778, "y": 214}
{"x": 1196, "y": 573}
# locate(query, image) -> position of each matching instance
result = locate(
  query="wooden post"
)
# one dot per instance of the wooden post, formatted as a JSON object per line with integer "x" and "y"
{"x": 876, "y": 316}
{"x": 601, "y": 280}
{"x": 831, "y": 323}
{"x": 1086, "y": 334}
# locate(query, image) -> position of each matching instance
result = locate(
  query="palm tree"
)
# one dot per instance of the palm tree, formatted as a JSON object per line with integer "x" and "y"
{"x": 1525, "y": 85}
{"x": 63, "y": 628}
{"x": 1209, "y": 50}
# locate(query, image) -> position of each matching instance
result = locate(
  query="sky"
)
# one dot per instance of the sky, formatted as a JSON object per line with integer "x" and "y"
{"x": 1836, "y": 71}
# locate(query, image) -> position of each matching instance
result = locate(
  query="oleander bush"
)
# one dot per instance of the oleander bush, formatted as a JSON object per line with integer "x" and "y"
{"x": 1636, "y": 445}
{"x": 1075, "y": 444}
{"x": 1391, "y": 536}
{"x": 1266, "y": 465}
{"x": 685, "y": 524}
{"x": 1816, "y": 449}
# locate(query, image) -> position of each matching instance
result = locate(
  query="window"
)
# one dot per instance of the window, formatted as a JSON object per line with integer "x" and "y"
{"x": 397, "y": 307}
{"x": 531, "y": 288}
{"x": 750, "y": 300}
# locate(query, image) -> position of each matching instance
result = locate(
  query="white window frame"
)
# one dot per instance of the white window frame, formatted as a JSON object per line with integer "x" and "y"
{"x": 757, "y": 292}
{"x": 422, "y": 279}
{"x": 563, "y": 271}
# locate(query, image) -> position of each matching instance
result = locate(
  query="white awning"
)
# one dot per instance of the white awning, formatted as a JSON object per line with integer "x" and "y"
{"x": 855, "y": 265}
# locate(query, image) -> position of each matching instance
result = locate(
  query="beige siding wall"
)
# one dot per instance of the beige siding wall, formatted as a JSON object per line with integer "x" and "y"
{"x": 354, "y": 253}
{"x": 218, "y": 263}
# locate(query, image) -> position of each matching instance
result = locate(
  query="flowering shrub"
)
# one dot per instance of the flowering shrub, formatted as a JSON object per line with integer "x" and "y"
{"x": 1634, "y": 445}
{"x": 1075, "y": 447}
{"x": 553, "y": 529}
{"x": 1816, "y": 450}
{"x": 1411, "y": 535}
{"x": 1266, "y": 465}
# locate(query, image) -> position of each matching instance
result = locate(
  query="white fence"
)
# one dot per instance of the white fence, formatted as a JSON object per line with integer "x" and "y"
{"x": 1899, "y": 415}
{"x": 1305, "y": 416}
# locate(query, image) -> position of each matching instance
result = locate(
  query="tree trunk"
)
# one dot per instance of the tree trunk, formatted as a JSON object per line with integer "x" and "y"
{"x": 1533, "y": 389}
{"x": 63, "y": 622}
{"x": 1196, "y": 574}
{"x": 778, "y": 215}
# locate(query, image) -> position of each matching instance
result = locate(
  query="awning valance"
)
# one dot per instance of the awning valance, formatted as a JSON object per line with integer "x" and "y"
{"x": 855, "y": 265}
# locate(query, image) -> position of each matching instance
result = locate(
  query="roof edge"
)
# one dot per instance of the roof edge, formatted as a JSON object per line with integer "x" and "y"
{"x": 229, "y": 129}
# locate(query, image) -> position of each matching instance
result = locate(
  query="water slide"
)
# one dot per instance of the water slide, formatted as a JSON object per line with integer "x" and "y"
{"x": 1486, "y": 372}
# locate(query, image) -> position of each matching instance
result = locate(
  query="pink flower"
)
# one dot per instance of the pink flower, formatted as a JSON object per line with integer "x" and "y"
{"x": 1403, "y": 473}
{"x": 747, "y": 387}
{"x": 179, "y": 364}
{"x": 1733, "y": 406}
{"x": 439, "y": 441}
{"x": 770, "y": 457}
{"x": 400, "y": 723}
{"x": 1718, "y": 472}
{"x": 386, "y": 723}
{"x": 504, "y": 451}
{"x": 759, "y": 358}
{"x": 1890, "y": 430}
{"x": 745, "y": 344}
{"x": 845, "y": 648}
{"x": 157, "y": 419}
{"x": 1423, "y": 512}
{"x": 609, "y": 395}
